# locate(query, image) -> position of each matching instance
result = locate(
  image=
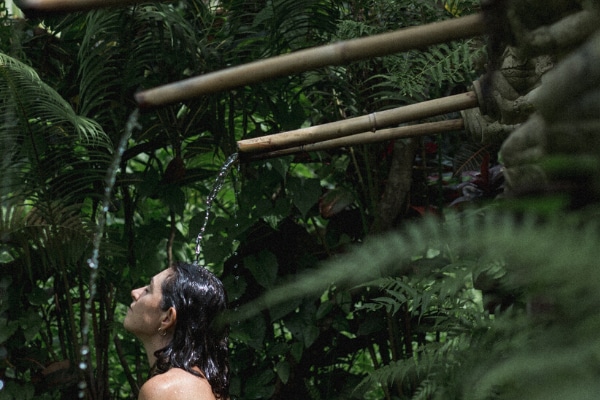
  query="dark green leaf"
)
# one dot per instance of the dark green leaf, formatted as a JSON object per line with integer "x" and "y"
{"x": 305, "y": 193}
{"x": 263, "y": 267}
{"x": 283, "y": 371}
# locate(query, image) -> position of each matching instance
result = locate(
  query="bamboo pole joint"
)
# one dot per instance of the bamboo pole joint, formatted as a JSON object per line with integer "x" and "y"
{"x": 424, "y": 129}
{"x": 352, "y": 126}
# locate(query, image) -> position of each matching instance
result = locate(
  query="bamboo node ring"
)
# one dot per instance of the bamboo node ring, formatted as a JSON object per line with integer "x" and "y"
{"x": 373, "y": 122}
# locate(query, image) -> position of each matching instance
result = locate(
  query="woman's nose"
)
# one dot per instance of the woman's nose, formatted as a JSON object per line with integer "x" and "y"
{"x": 135, "y": 294}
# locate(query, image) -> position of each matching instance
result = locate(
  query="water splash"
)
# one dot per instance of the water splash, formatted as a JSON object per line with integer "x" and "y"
{"x": 211, "y": 198}
{"x": 92, "y": 262}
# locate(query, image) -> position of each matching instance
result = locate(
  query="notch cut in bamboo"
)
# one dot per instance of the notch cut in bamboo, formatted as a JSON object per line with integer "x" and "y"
{"x": 70, "y": 5}
{"x": 425, "y": 129}
{"x": 352, "y": 126}
{"x": 339, "y": 53}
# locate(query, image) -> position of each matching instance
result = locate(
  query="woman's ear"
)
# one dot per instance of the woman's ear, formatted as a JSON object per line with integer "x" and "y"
{"x": 169, "y": 319}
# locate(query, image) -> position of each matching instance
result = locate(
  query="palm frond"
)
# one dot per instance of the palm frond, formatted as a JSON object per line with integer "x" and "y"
{"x": 119, "y": 50}
{"x": 44, "y": 139}
{"x": 31, "y": 105}
{"x": 99, "y": 72}
{"x": 42, "y": 239}
{"x": 292, "y": 23}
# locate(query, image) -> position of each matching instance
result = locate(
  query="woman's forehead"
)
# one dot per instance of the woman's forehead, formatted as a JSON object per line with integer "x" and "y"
{"x": 160, "y": 277}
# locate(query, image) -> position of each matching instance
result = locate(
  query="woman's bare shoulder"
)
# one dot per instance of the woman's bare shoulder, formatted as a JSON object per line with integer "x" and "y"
{"x": 176, "y": 384}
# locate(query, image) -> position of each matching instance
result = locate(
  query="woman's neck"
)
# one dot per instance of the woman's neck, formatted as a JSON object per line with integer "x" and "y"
{"x": 153, "y": 344}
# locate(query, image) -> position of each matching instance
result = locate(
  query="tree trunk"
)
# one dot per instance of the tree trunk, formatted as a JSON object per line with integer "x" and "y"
{"x": 398, "y": 185}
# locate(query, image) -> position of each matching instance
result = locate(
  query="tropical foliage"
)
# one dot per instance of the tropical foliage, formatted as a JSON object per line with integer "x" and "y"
{"x": 324, "y": 302}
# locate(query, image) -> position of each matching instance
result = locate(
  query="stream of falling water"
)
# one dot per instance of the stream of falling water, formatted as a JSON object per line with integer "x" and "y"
{"x": 211, "y": 198}
{"x": 92, "y": 262}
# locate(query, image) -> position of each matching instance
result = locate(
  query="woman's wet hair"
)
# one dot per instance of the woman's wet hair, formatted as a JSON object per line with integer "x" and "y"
{"x": 199, "y": 340}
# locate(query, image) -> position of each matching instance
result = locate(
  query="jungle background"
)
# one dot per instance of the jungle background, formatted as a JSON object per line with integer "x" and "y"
{"x": 385, "y": 271}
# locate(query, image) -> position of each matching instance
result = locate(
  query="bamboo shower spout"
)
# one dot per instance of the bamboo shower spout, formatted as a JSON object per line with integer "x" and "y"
{"x": 425, "y": 129}
{"x": 371, "y": 122}
{"x": 332, "y": 54}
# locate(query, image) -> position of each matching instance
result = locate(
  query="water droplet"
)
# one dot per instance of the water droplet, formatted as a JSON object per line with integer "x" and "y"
{"x": 82, "y": 385}
{"x": 237, "y": 321}
{"x": 92, "y": 264}
{"x": 83, "y": 366}
{"x": 85, "y": 350}
{"x": 1, "y": 384}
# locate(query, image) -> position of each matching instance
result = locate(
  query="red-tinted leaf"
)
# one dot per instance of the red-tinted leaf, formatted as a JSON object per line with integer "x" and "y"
{"x": 334, "y": 201}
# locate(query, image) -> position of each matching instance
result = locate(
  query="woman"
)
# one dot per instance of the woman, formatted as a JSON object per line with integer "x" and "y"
{"x": 174, "y": 319}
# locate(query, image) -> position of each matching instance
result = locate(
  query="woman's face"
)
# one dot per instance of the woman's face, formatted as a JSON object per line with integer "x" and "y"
{"x": 144, "y": 314}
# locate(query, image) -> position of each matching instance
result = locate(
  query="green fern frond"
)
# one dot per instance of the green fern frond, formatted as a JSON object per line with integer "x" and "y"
{"x": 415, "y": 71}
{"x": 451, "y": 290}
{"x": 426, "y": 390}
{"x": 429, "y": 362}
{"x": 551, "y": 270}
{"x": 554, "y": 372}
{"x": 395, "y": 371}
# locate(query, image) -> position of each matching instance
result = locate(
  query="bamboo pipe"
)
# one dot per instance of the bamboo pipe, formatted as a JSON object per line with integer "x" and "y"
{"x": 370, "y": 122}
{"x": 428, "y": 128}
{"x": 69, "y": 5}
{"x": 338, "y": 53}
